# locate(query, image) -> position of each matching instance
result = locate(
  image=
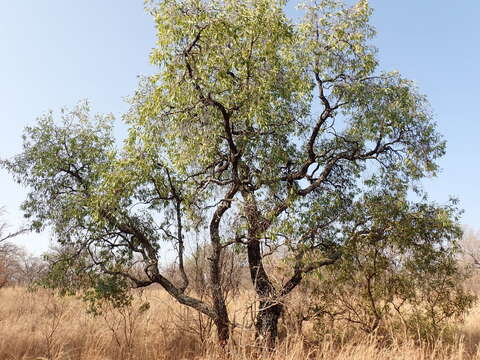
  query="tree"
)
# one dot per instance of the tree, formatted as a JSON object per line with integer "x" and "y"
{"x": 12, "y": 257}
{"x": 10, "y": 270}
{"x": 399, "y": 262}
{"x": 470, "y": 247}
{"x": 257, "y": 131}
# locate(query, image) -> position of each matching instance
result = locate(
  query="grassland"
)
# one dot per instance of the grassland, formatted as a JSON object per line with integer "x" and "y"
{"x": 40, "y": 325}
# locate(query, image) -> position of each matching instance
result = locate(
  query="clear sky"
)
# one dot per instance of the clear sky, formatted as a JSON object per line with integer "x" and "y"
{"x": 56, "y": 52}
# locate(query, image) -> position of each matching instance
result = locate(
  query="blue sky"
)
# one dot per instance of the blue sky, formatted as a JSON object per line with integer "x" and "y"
{"x": 56, "y": 52}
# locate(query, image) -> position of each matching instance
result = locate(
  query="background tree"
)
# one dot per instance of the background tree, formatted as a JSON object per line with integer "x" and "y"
{"x": 471, "y": 247}
{"x": 260, "y": 132}
{"x": 13, "y": 259}
{"x": 10, "y": 264}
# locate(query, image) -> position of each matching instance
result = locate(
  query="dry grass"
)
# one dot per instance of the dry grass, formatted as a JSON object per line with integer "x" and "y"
{"x": 40, "y": 325}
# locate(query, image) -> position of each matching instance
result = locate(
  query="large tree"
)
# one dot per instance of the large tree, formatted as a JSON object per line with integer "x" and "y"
{"x": 257, "y": 132}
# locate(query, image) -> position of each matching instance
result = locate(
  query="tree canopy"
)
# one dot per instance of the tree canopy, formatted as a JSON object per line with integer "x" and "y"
{"x": 256, "y": 132}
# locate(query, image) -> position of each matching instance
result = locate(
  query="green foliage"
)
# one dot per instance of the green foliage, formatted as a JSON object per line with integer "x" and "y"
{"x": 65, "y": 165}
{"x": 110, "y": 290}
{"x": 60, "y": 161}
{"x": 399, "y": 263}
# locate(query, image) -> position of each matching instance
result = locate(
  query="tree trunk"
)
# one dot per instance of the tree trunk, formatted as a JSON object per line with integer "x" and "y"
{"x": 221, "y": 314}
{"x": 270, "y": 310}
{"x": 223, "y": 331}
{"x": 267, "y": 322}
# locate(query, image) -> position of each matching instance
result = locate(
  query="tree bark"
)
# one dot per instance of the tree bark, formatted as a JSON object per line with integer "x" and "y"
{"x": 223, "y": 330}
{"x": 267, "y": 322}
{"x": 270, "y": 310}
{"x": 221, "y": 314}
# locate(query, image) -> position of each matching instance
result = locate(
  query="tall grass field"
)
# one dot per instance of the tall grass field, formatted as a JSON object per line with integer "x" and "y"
{"x": 41, "y": 325}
